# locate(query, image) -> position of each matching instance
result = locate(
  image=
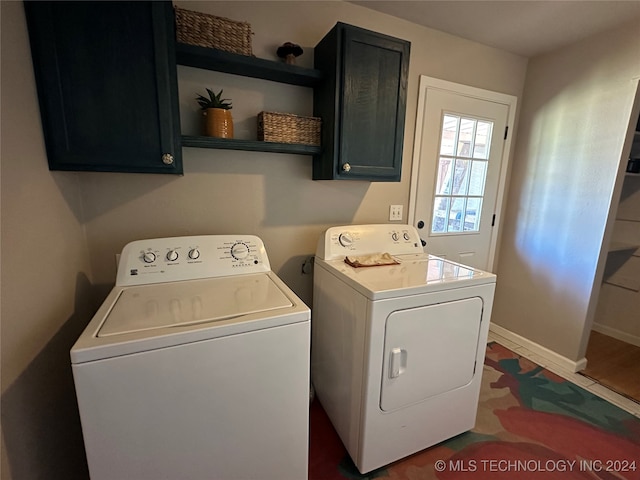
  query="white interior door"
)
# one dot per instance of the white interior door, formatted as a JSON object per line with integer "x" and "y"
{"x": 459, "y": 172}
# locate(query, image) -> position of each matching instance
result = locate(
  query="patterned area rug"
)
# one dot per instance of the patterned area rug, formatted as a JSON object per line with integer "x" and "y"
{"x": 531, "y": 424}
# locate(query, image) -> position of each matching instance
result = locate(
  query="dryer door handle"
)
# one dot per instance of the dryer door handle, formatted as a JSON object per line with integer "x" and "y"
{"x": 397, "y": 362}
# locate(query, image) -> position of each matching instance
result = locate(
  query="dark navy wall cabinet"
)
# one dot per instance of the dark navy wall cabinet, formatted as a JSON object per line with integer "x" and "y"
{"x": 107, "y": 85}
{"x": 362, "y": 103}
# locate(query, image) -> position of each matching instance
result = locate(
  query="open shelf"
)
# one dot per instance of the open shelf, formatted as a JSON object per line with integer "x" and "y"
{"x": 218, "y": 60}
{"x": 627, "y": 283}
{"x": 622, "y": 247}
{"x": 248, "y": 145}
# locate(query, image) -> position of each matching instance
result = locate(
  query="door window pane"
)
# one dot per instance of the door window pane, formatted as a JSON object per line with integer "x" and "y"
{"x": 440, "y": 214}
{"x": 477, "y": 177}
{"x": 461, "y": 176}
{"x": 443, "y": 182}
{"x": 449, "y": 134}
{"x": 482, "y": 140}
{"x": 472, "y": 215}
{"x": 456, "y": 214}
{"x": 465, "y": 137}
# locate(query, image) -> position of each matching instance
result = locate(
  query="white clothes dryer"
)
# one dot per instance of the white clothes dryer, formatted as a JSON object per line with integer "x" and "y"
{"x": 195, "y": 366}
{"x": 397, "y": 350}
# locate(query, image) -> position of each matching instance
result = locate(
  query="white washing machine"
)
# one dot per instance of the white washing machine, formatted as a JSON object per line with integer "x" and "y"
{"x": 397, "y": 350}
{"x": 196, "y": 366}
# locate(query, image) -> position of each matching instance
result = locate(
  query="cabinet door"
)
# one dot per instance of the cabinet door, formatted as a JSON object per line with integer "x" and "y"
{"x": 365, "y": 118}
{"x": 106, "y": 78}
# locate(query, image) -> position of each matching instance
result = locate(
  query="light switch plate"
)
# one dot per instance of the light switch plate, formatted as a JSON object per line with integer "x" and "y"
{"x": 395, "y": 213}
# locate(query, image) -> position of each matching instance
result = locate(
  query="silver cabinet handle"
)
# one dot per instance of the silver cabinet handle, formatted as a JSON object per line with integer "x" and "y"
{"x": 167, "y": 159}
{"x": 346, "y": 167}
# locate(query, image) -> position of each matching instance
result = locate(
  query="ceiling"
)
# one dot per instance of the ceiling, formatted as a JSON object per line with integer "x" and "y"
{"x": 523, "y": 27}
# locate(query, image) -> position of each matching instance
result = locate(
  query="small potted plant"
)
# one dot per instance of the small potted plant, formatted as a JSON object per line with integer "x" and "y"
{"x": 217, "y": 115}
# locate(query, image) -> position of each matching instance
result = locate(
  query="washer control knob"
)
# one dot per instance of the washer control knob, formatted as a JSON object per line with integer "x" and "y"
{"x": 395, "y": 237}
{"x": 194, "y": 254}
{"x": 240, "y": 251}
{"x": 345, "y": 239}
{"x": 172, "y": 255}
{"x": 406, "y": 236}
{"x": 148, "y": 257}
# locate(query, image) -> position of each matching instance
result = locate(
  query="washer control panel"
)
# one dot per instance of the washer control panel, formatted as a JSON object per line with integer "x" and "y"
{"x": 338, "y": 242}
{"x": 188, "y": 258}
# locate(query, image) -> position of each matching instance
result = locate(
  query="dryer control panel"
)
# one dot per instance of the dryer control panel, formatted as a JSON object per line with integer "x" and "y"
{"x": 338, "y": 242}
{"x": 189, "y": 258}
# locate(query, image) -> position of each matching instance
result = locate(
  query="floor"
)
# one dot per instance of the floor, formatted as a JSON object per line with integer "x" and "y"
{"x": 614, "y": 363}
{"x": 580, "y": 380}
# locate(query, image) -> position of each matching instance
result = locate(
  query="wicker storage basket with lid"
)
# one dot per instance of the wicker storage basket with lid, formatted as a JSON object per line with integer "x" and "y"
{"x": 288, "y": 128}
{"x": 205, "y": 30}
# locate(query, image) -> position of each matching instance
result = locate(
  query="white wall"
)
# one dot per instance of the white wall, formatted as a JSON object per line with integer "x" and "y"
{"x": 574, "y": 119}
{"x": 60, "y": 230}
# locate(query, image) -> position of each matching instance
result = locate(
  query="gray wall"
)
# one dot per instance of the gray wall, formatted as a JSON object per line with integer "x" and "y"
{"x": 566, "y": 171}
{"x": 46, "y": 293}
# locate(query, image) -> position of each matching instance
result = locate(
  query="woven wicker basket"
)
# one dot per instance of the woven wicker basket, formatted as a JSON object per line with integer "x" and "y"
{"x": 288, "y": 128}
{"x": 204, "y": 30}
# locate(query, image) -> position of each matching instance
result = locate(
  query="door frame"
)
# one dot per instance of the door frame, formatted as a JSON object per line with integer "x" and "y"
{"x": 511, "y": 101}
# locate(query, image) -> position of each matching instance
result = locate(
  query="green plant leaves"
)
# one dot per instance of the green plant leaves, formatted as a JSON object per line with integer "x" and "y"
{"x": 214, "y": 101}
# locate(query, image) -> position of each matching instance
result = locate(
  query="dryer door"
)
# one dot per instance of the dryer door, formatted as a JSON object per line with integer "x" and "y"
{"x": 429, "y": 350}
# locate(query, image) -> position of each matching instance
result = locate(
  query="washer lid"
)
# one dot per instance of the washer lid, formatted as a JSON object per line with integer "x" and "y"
{"x": 149, "y": 307}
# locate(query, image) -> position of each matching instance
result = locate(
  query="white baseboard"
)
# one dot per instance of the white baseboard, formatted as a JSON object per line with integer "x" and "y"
{"x": 617, "y": 334}
{"x": 545, "y": 353}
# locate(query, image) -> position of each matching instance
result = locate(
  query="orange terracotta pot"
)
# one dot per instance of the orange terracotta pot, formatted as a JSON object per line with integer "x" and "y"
{"x": 218, "y": 123}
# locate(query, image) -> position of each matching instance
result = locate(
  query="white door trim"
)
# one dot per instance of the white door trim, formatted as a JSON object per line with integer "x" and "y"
{"x": 510, "y": 101}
